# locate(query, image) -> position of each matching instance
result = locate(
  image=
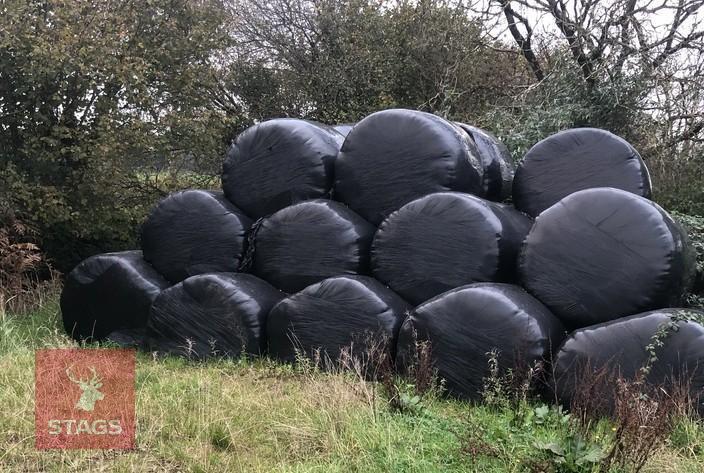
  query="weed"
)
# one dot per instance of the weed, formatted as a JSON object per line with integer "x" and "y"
{"x": 513, "y": 386}
{"x": 26, "y": 279}
{"x": 420, "y": 369}
{"x": 572, "y": 453}
{"x": 644, "y": 419}
{"x": 644, "y": 415}
{"x": 376, "y": 363}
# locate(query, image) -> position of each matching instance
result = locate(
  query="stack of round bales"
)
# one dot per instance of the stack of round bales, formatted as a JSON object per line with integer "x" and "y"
{"x": 598, "y": 255}
{"x": 365, "y": 241}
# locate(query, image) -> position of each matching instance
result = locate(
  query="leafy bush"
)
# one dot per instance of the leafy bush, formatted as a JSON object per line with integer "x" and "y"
{"x": 93, "y": 98}
{"x": 695, "y": 230}
{"x": 562, "y": 100}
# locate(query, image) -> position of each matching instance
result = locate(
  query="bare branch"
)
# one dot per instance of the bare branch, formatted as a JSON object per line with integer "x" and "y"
{"x": 524, "y": 42}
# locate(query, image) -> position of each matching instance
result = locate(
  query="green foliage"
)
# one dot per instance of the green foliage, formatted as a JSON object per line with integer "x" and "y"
{"x": 564, "y": 100}
{"x": 572, "y": 454}
{"x": 677, "y": 177}
{"x": 256, "y": 415}
{"x": 107, "y": 106}
{"x": 337, "y": 61}
{"x": 545, "y": 414}
{"x": 694, "y": 225}
{"x": 659, "y": 338}
{"x": 93, "y": 97}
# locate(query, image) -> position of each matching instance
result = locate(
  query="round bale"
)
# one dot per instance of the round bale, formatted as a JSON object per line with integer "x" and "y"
{"x": 352, "y": 316}
{"x": 394, "y": 156}
{"x": 109, "y": 292}
{"x": 194, "y": 232}
{"x": 467, "y": 326}
{"x": 445, "y": 240}
{"x": 496, "y": 160}
{"x": 590, "y": 362}
{"x": 604, "y": 253}
{"x": 573, "y": 160}
{"x": 212, "y": 315}
{"x": 278, "y": 163}
{"x": 308, "y": 242}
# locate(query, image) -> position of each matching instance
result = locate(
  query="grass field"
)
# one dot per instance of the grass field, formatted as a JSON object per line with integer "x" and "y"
{"x": 255, "y": 416}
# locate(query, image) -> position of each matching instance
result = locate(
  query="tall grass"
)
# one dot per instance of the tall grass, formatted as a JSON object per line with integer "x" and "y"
{"x": 260, "y": 416}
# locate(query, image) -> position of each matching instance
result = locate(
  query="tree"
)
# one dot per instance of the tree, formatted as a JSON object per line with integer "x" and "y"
{"x": 99, "y": 101}
{"x": 656, "y": 44}
{"x": 635, "y": 67}
{"x": 338, "y": 61}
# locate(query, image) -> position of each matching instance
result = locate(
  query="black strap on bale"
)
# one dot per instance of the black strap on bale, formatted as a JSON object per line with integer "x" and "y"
{"x": 248, "y": 258}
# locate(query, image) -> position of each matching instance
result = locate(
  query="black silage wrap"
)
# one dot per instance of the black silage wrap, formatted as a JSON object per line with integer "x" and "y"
{"x": 344, "y": 128}
{"x": 129, "y": 337}
{"x": 496, "y": 160}
{"x": 445, "y": 240}
{"x": 109, "y": 292}
{"x": 278, "y": 163}
{"x": 465, "y": 324}
{"x": 573, "y": 160}
{"x": 394, "y": 156}
{"x": 342, "y": 312}
{"x": 194, "y": 232}
{"x": 605, "y": 253}
{"x": 310, "y": 241}
{"x": 619, "y": 348}
{"x": 212, "y": 315}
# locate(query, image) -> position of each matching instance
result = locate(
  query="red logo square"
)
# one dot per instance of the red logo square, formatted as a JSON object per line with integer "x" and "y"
{"x": 85, "y": 398}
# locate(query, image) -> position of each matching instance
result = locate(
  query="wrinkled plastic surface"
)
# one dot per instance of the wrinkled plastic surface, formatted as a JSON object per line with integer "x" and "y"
{"x": 310, "y": 241}
{"x": 445, "y": 240}
{"x": 212, "y": 315}
{"x": 394, "y": 156}
{"x": 465, "y": 324}
{"x": 576, "y": 159}
{"x": 619, "y": 347}
{"x": 496, "y": 160}
{"x": 344, "y": 128}
{"x": 280, "y": 162}
{"x": 343, "y": 312}
{"x": 194, "y": 232}
{"x": 604, "y": 253}
{"x": 129, "y": 337}
{"x": 108, "y": 292}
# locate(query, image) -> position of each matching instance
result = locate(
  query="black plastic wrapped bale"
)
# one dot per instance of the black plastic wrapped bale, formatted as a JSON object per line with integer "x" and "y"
{"x": 497, "y": 162}
{"x": 604, "y": 253}
{"x": 109, "y": 292}
{"x": 573, "y": 160}
{"x": 344, "y": 128}
{"x": 128, "y": 338}
{"x": 280, "y": 162}
{"x": 445, "y": 240}
{"x": 394, "y": 156}
{"x": 591, "y": 358}
{"x": 212, "y": 315}
{"x": 464, "y": 325}
{"x": 356, "y": 314}
{"x": 310, "y": 241}
{"x": 194, "y": 232}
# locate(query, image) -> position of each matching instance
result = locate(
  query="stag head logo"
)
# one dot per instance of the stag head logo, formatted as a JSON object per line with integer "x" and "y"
{"x": 90, "y": 393}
